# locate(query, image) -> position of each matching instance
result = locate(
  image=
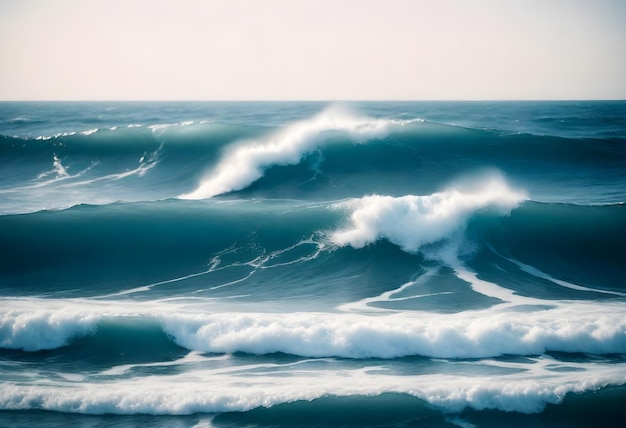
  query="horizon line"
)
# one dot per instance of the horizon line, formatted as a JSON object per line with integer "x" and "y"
{"x": 338, "y": 100}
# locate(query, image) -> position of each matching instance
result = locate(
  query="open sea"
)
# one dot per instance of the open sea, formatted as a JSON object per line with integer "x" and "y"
{"x": 311, "y": 264}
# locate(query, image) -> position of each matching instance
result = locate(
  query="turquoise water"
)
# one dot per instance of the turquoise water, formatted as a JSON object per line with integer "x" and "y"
{"x": 312, "y": 264}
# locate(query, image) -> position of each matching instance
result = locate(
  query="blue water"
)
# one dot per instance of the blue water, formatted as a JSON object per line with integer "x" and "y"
{"x": 313, "y": 264}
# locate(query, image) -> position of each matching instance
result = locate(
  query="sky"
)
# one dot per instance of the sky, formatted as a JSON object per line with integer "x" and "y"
{"x": 312, "y": 49}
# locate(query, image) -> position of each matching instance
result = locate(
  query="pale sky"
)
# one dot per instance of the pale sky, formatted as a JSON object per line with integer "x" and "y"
{"x": 312, "y": 49}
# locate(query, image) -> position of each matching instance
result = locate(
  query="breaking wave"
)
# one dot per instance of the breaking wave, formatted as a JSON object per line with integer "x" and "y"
{"x": 413, "y": 221}
{"x": 244, "y": 163}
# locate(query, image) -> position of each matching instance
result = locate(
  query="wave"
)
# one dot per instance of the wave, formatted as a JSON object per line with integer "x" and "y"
{"x": 401, "y": 154}
{"x": 594, "y": 408}
{"x": 595, "y": 328}
{"x": 413, "y": 221}
{"x": 580, "y": 329}
{"x": 245, "y": 162}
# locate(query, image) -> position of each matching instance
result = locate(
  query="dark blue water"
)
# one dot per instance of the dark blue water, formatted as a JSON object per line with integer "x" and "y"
{"x": 312, "y": 264}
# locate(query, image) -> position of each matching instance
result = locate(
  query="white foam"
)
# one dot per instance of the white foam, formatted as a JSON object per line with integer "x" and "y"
{"x": 414, "y": 221}
{"x": 60, "y": 177}
{"x": 67, "y": 134}
{"x": 245, "y": 162}
{"x": 57, "y": 135}
{"x": 448, "y": 254}
{"x": 490, "y": 289}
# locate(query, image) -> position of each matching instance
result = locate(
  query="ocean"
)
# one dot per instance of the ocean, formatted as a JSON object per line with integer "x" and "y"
{"x": 312, "y": 264}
